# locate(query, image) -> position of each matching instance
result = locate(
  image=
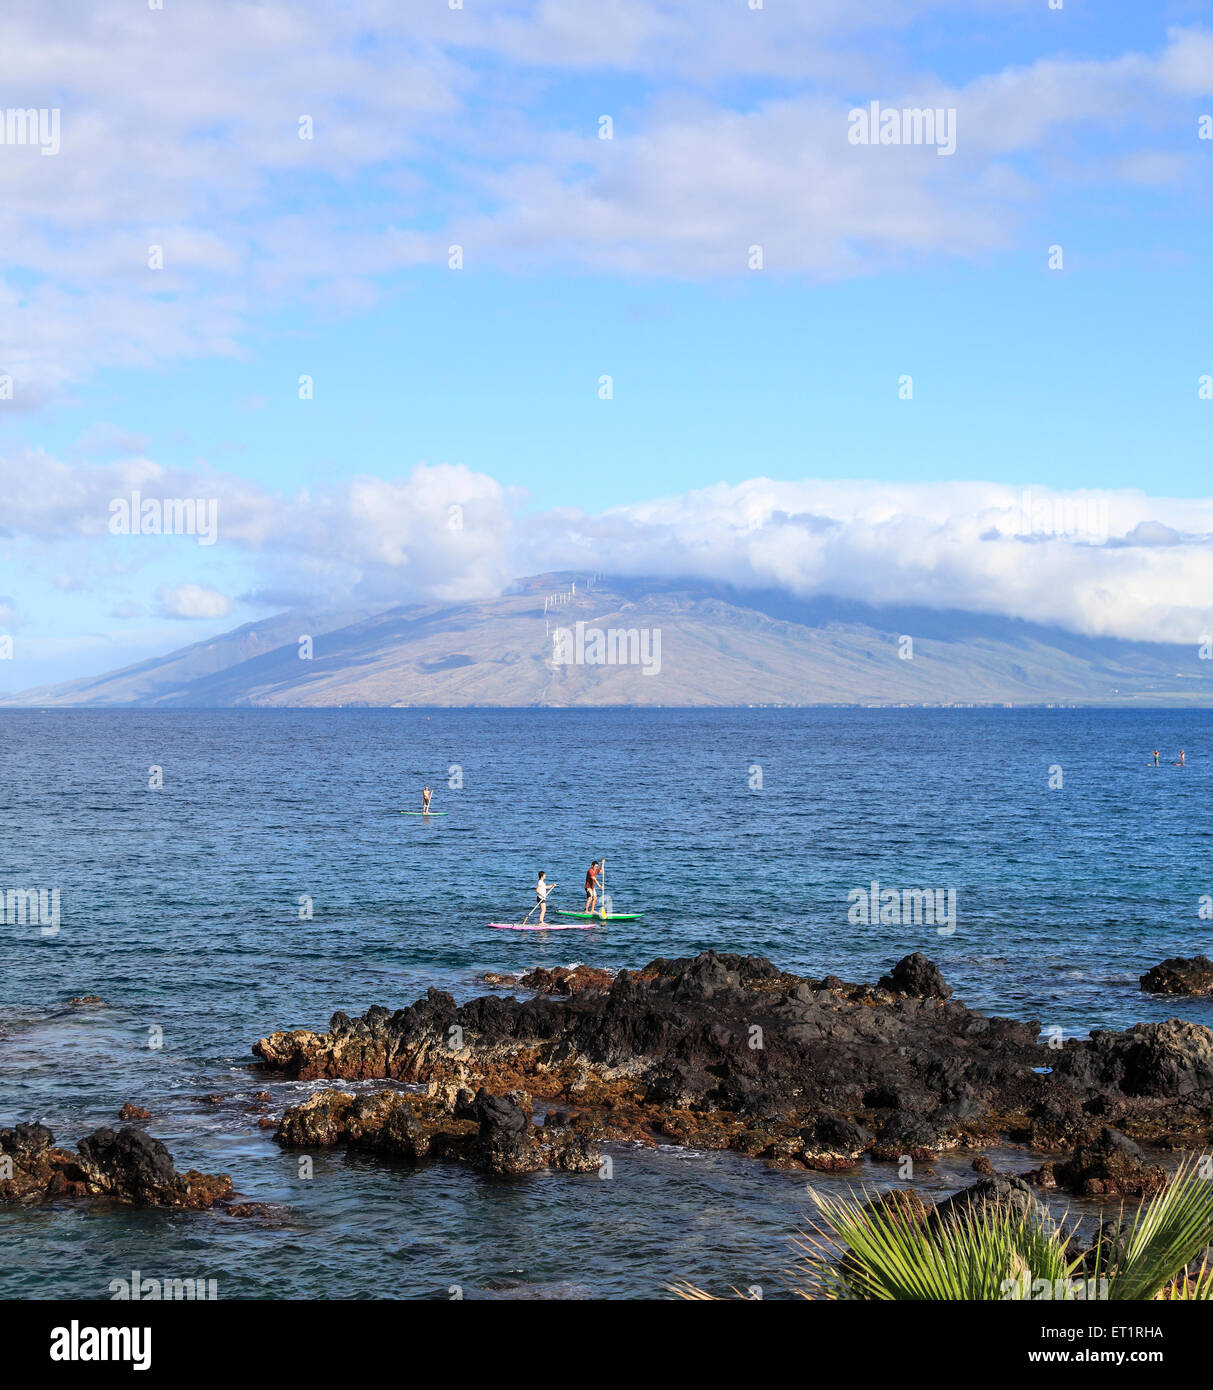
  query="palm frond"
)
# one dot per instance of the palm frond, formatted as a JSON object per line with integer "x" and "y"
{"x": 1168, "y": 1233}
{"x": 871, "y": 1250}
{"x": 864, "y": 1247}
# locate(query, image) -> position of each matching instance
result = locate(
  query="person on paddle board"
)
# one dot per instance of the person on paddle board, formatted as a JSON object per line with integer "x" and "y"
{"x": 426, "y": 793}
{"x": 1156, "y": 757}
{"x": 542, "y": 889}
{"x": 591, "y": 887}
{"x": 1183, "y": 760}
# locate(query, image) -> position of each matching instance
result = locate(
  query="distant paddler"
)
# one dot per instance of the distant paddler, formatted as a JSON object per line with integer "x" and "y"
{"x": 426, "y": 793}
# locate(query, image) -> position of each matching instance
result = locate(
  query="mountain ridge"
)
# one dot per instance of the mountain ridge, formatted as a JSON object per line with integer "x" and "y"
{"x": 708, "y": 645}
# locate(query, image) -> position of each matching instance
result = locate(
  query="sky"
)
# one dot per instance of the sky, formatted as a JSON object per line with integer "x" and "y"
{"x": 369, "y": 281}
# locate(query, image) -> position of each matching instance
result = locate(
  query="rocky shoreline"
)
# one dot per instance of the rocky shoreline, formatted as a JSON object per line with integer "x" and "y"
{"x": 127, "y": 1165}
{"x": 724, "y": 1051}
{"x": 719, "y": 1051}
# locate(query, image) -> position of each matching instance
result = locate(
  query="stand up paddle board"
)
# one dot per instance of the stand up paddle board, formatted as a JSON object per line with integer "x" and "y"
{"x": 603, "y": 916}
{"x": 538, "y": 926}
{"x": 425, "y": 813}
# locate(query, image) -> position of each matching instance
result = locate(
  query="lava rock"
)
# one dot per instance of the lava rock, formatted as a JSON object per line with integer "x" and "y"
{"x": 127, "y": 1164}
{"x": 1109, "y": 1165}
{"x": 831, "y": 1143}
{"x": 1006, "y": 1193}
{"x": 1162, "y": 1061}
{"x": 1180, "y": 975}
{"x": 917, "y": 976}
{"x": 493, "y": 1134}
{"x": 905, "y": 1134}
{"x": 726, "y": 1051}
{"x": 562, "y": 979}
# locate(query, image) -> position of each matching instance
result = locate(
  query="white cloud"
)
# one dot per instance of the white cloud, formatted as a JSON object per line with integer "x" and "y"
{"x": 441, "y": 531}
{"x": 699, "y": 186}
{"x": 687, "y": 186}
{"x": 185, "y": 157}
{"x": 1104, "y": 563}
{"x": 195, "y": 154}
{"x": 1119, "y": 563}
{"x": 190, "y": 601}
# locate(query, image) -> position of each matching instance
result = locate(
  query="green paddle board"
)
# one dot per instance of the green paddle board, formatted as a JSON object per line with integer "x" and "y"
{"x": 602, "y": 917}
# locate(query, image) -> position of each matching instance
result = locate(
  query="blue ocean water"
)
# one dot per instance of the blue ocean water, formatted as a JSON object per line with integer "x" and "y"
{"x": 180, "y": 908}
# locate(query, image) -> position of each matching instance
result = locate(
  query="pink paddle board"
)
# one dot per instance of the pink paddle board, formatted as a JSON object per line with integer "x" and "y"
{"x": 544, "y": 926}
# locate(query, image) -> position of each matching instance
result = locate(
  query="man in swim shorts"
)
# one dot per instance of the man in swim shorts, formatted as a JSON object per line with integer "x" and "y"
{"x": 591, "y": 887}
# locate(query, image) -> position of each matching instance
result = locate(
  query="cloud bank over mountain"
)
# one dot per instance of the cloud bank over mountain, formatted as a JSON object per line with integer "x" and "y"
{"x": 1112, "y": 564}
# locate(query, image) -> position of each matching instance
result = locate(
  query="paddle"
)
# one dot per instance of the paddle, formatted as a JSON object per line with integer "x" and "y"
{"x": 538, "y": 905}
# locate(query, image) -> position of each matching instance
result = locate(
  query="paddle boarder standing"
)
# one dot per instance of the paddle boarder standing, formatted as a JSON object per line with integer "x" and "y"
{"x": 426, "y": 793}
{"x": 591, "y": 887}
{"x": 542, "y": 889}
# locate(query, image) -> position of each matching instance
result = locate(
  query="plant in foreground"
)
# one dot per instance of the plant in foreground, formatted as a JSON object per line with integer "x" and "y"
{"x": 896, "y": 1248}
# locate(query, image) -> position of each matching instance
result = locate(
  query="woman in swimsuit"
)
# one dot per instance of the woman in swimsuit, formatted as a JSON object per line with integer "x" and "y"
{"x": 542, "y": 889}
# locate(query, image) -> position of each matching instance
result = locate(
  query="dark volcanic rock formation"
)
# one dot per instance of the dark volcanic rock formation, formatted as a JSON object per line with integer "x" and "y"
{"x": 828, "y": 1144}
{"x": 1180, "y": 975}
{"x": 128, "y": 1164}
{"x": 917, "y": 976}
{"x": 494, "y": 1134}
{"x": 563, "y": 979}
{"x": 726, "y": 1051}
{"x": 1108, "y": 1166}
{"x": 1163, "y": 1062}
{"x": 997, "y": 1190}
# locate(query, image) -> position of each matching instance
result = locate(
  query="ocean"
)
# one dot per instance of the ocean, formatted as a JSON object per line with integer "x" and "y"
{"x": 272, "y": 880}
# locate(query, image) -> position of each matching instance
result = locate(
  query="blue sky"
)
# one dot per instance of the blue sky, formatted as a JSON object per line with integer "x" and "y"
{"x": 479, "y": 387}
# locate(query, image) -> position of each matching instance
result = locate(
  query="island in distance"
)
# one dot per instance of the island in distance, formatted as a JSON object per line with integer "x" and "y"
{"x": 549, "y": 642}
